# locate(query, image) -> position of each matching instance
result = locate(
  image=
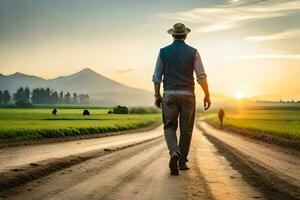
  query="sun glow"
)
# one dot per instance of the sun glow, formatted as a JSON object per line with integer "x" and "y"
{"x": 239, "y": 95}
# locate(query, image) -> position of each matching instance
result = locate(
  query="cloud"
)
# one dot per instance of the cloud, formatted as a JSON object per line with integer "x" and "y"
{"x": 268, "y": 56}
{"x": 291, "y": 33}
{"x": 224, "y": 18}
{"x": 124, "y": 71}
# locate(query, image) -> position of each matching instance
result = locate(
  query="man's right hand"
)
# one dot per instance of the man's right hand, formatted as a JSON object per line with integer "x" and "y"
{"x": 158, "y": 101}
{"x": 206, "y": 102}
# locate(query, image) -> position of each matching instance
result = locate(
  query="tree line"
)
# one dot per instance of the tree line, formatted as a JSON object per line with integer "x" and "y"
{"x": 25, "y": 97}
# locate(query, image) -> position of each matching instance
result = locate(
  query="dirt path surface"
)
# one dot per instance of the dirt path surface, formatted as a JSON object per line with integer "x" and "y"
{"x": 280, "y": 169}
{"x": 141, "y": 172}
{"x": 13, "y": 157}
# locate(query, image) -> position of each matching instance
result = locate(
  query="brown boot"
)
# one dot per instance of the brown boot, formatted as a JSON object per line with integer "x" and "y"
{"x": 173, "y": 164}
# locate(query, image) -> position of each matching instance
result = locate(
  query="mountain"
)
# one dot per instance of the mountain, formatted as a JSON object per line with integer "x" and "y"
{"x": 101, "y": 90}
{"x": 14, "y": 81}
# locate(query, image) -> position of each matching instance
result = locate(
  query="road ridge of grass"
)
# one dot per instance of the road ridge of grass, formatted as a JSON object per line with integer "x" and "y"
{"x": 5, "y": 144}
{"x": 272, "y": 139}
{"x": 21, "y": 175}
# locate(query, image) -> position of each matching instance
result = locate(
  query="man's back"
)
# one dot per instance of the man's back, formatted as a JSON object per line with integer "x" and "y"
{"x": 178, "y": 60}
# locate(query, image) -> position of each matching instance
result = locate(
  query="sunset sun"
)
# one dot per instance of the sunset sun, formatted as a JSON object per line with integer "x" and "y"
{"x": 239, "y": 95}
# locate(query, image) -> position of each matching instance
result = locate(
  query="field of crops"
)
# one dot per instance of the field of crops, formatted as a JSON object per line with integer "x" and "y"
{"x": 32, "y": 124}
{"x": 284, "y": 123}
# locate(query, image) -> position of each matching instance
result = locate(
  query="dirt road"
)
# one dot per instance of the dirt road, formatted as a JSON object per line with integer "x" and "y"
{"x": 141, "y": 172}
{"x": 14, "y": 157}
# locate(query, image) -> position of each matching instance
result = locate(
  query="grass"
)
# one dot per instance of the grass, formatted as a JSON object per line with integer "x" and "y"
{"x": 283, "y": 123}
{"x": 34, "y": 124}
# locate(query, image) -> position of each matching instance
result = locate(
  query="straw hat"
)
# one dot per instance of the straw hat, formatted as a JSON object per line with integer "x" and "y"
{"x": 179, "y": 29}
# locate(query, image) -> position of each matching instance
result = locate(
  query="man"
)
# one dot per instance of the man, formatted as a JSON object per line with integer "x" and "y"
{"x": 176, "y": 63}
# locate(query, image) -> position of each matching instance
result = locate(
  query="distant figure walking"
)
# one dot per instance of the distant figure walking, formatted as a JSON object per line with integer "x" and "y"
{"x": 221, "y": 115}
{"x": 176, "y": 63}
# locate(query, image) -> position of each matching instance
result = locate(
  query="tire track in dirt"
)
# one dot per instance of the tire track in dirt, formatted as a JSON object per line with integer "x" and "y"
{"x": 222, "y": 179}
{"x": 139, "y": 172}
{"x": 155, "y": 182}
{"x": 62, "y": 183}
{"x": 274, "y": 173}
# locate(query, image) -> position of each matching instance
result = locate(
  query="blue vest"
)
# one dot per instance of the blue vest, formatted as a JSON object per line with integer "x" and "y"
{"x": 178, "y": 59}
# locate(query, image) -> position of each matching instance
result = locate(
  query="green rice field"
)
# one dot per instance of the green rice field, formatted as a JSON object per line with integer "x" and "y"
{"x": 32, "y": 124}
{"x": 284, "y": 123}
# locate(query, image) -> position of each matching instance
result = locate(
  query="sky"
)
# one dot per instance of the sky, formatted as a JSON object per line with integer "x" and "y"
{"x": 249, "y": 48}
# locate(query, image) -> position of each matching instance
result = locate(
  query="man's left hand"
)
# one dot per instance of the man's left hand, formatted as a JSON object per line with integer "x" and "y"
{"x": 206, "y": 102}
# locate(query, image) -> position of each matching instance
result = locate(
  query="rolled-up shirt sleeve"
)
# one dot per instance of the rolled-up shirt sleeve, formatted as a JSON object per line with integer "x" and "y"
{"x": 158, "y": 71}
{"x": 199, "y": 69}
